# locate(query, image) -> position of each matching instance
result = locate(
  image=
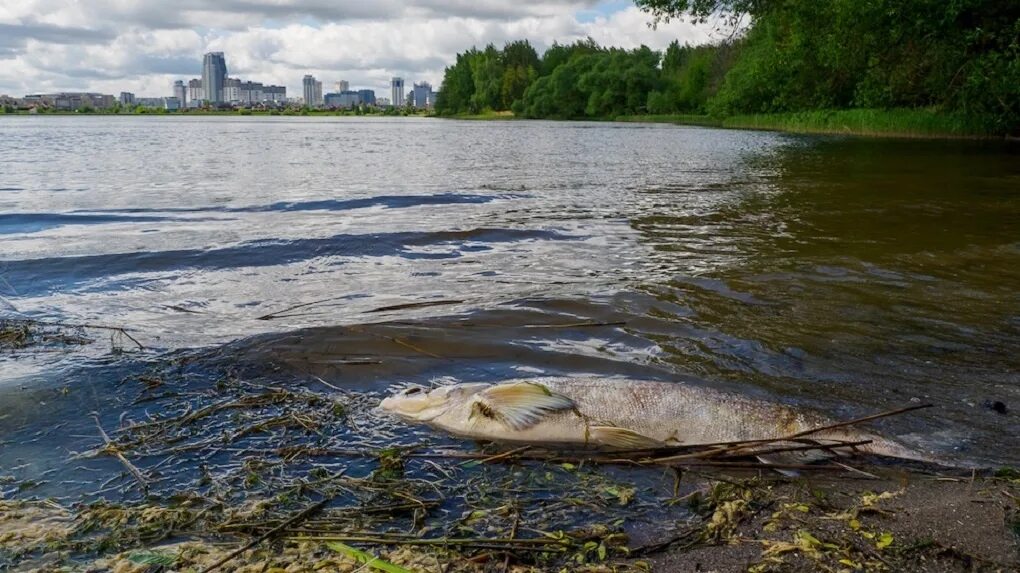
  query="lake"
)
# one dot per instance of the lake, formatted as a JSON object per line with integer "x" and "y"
{"x": 850, "y": 275}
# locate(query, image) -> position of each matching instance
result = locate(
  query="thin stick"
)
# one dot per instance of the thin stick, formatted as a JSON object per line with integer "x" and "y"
{"x": 95, "y": 326}
{"x": 859, "y": 420}
{"x": 406, "y": 344}
{"x": 805, "y": 432}
{"x": 741, "y": 451}
{"x": 856, "y": 471}
{"x": 503, "y": 542}
{"x": 576, "y": 325}
{"x": 114, "y": 451}
{"x": 277, "y": 314}
{"x": 501, "y": 456}
{"x": 337, "y": 388}
{"x": 409, "y": 305}
{"x": 302, "y": 515}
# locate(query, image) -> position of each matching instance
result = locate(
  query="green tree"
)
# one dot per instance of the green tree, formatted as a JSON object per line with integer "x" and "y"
{"x": 959, "y": 56}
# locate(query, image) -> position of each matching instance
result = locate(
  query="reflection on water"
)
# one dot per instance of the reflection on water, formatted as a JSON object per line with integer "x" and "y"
{"x": 850, "y": 275}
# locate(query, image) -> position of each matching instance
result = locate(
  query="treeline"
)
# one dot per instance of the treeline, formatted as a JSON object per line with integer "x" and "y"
{"x": 580, "y": 80}
{"x": 958, "y": 57}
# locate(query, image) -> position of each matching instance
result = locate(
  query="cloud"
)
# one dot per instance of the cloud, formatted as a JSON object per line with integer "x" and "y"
{"x": 144, "y": 45}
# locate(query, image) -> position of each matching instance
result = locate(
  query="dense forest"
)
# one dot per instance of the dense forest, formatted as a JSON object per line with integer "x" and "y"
{"x": 959, "y": 57}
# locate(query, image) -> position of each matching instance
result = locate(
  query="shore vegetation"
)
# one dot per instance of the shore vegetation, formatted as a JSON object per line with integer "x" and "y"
{"x": 893, "y": 67}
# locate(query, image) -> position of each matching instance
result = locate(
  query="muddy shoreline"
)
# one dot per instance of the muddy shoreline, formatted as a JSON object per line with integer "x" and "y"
{"x": 901, "y": 522}
{"x": 193, "y": 455}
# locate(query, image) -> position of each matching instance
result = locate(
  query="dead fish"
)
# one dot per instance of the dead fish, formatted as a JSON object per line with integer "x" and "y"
{"x": 620, "y": 414}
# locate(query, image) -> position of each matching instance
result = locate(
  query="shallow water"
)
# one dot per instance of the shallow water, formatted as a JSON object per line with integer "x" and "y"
{"x": 850, "y": 275}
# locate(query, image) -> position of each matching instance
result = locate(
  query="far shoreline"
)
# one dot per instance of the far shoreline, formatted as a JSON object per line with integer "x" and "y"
{"x": 919, "y": 124}
{"x": 895, "y": 123}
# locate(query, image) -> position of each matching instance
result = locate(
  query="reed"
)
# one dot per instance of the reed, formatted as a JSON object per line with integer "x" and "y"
{"x": 905, "y": 123}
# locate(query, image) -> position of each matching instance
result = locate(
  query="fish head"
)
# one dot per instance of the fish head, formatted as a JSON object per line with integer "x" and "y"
{"x": 423, "y": 405}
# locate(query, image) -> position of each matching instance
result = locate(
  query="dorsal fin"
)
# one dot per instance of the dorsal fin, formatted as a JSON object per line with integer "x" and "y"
{"x": 519, "y": 405}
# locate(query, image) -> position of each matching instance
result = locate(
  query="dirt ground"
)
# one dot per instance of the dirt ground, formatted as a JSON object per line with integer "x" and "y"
{"x": 899, "y": 522}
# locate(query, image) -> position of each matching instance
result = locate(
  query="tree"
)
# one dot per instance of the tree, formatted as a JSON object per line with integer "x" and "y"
{"x": 702, "y": 10}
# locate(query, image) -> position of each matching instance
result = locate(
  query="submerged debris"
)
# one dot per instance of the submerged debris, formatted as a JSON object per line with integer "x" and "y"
{"x": 228, "y": 471}
{"x": 18, "y": 334}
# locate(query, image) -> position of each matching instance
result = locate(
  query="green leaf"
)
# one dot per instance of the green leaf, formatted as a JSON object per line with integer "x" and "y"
{"x": 366, "y": 558}
{"x": 152, "y": 558}
{"x": 884, "y": 540}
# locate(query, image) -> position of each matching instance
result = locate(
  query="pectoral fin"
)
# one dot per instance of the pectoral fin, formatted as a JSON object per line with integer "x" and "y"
{"x": 621, "y": 438}
{"x": 519, "y": 405}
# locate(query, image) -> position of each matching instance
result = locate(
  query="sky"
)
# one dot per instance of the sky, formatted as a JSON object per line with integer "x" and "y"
{"x": 142, "y": 46}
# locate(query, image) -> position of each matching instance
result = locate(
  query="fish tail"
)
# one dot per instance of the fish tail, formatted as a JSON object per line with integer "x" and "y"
{"x": 889, "y": 448}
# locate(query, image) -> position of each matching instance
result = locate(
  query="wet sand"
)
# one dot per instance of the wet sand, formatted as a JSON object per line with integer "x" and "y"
{"x": 903, "y": 522}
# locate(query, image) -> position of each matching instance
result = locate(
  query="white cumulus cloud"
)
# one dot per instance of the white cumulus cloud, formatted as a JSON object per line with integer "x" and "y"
{"x": 142, "y": 46}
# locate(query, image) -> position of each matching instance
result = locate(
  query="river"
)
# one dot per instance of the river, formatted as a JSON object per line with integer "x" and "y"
{"x": 846, "y": 274}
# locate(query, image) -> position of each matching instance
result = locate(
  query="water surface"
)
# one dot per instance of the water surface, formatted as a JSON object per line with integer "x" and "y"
{"x": 850, "y": 275}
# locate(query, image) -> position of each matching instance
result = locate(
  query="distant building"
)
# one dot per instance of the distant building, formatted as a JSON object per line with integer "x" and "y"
{"x": 196, "y": 95}
{"x": 346, "y": 100}
{"x": 274, "y": 94}
{"x": 214, "y": 76}
{"x": 180, "y": 92}
{"x": 232, "y": 90}
{"x": 367, "y": 96}
{"x": 312, "y": 91}
{"x": 171, "y": 104}
{"x": 72, "y": 100}
{"x": 126, "y": 98}
{"x": 341, "y": 86}
{"x": 397, "y": 91}
{"x": 423, "y": 95}
{"x": 153, "y": 102}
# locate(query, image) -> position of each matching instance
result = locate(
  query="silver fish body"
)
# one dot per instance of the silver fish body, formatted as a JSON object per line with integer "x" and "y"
{"x": 615, "y": 413}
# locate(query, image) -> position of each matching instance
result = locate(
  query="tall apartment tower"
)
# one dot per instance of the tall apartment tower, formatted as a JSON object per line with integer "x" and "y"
{"x": 214, "y": 76}
{"x": 195, "y": 93}
{"x": 312, "y": 91}
{"x": 342, "y": 86}
{"x": 422, "y": 95}
{"x": 397, "y": 91}
{"x": 180, "y": 92}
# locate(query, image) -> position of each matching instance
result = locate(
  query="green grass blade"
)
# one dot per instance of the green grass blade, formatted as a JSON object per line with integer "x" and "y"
{"x": 366, "y": 558}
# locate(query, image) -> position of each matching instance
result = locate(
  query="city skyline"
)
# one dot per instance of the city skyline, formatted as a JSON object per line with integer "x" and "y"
{"x": 142, "y": 46}
{"x": 214, "y": 69}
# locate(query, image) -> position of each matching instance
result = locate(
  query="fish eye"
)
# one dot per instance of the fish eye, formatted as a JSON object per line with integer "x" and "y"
{"x": 410, "y": 391}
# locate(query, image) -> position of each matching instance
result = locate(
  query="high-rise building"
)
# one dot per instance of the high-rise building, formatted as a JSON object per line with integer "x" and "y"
{"x": 397, "y": 91}
{"x": 342, "y": 86}
{"x": 195, "y": 93}
{"x": 232, "y": 90}
{"x": 276, "y": 94}
{"x": 367, "y": 97}
{"x": 180, "y": 92}
{"x": 127, "y": 98}
{"x": 214, "y": 76}
{"x": 312, "y": 91}
{"x": 422, "y": 95}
